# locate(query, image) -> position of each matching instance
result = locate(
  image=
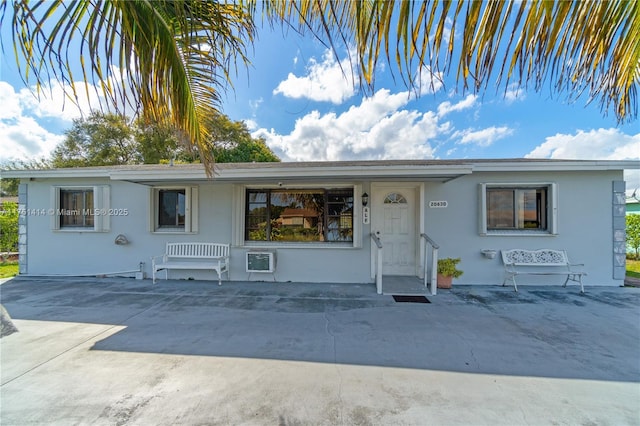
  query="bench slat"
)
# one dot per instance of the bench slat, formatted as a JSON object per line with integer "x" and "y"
{"x": 197, "y": 250}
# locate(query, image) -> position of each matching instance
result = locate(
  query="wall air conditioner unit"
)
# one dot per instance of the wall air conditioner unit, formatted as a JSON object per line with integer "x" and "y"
{"x": 261, "y": 261}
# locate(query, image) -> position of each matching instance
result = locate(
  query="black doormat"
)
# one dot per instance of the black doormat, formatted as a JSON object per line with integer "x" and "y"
{"x": 410, "y": 299}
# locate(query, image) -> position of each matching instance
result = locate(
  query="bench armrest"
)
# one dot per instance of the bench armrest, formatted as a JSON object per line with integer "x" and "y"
{"x": 222, "y": 259}
{"x": 577, "y": 268}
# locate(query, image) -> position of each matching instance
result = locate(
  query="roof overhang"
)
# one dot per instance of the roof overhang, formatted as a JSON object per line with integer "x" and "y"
{"x": 555, "y": 165}
{"x": 259, "y": 172}
{"x": 301, "y": 172}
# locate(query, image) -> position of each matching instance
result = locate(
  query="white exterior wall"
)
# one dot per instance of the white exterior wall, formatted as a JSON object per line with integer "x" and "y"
{"x": 76, "y": 253}
{"x": 584, "y": 227}
{"x": 584, "y": 230}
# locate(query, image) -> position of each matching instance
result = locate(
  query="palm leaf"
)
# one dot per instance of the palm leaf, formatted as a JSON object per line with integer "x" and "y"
{"x": 577, "y": 47}
{"x": 171, "y": 58}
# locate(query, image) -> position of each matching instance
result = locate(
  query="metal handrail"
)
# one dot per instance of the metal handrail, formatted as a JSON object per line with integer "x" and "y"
{"x": 430, "y": 241}
{"x": 376, "y": 240}
{"x": 434, "y": 262}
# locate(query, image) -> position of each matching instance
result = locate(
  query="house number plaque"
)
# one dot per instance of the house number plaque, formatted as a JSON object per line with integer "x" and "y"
{"x": 438, "y": 204}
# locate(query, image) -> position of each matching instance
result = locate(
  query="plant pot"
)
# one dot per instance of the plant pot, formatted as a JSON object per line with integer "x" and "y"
{"x": 444, "y": 281}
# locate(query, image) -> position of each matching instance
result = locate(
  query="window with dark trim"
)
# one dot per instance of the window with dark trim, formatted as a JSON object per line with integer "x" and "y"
{"x": 76, "y": 208}
{"x": 517, "y": 208}
{"x": 300, "y": 215}
{"x": 174, "y": 209}
{"x": 171, "y": 208}
{"x": 80, "y": 208}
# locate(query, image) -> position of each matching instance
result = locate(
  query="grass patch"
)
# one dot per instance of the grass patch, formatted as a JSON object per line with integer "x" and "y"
{"x": 8, "y": 269}
{"x": 633, "y": 268}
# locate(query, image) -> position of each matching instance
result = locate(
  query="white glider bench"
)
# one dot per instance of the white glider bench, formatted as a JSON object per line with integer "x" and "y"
{"x": 540, "y": 262}
{"x": 209, "y": 256}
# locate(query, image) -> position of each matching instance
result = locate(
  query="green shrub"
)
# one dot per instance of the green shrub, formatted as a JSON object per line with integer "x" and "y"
{"x": 9, "y": 227}
{"x": 633, "y": 232}
{"x": 447, "y": 267}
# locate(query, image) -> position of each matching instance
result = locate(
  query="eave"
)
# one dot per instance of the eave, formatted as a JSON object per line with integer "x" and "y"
{"x": 423, "y": 170}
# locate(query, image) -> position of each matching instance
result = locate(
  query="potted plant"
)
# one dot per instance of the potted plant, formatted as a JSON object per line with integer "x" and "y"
{"x": 447, "y": 271}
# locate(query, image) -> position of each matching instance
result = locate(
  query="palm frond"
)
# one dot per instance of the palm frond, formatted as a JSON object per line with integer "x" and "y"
{"x": 576, "y": 47}
{"x": 169, "y": 60}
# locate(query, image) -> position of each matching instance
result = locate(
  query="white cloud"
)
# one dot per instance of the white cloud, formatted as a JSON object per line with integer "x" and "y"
{"x": 446, "y": 107}
{"x": 446, "y": 31}
{"x": 376, "y": 129}
{"x": 254, "y": 105}
{"x": 22, "y": 138}
{"x": 484, "y": 137}
{"x": 53, "y": 103}
{"x": 59, "y": 102}
{"x": 514, "y": 93}
{"x": 596, "y": 144}
{"x": 251, "y": 124}
{"x": 10, "y": 102}
{"x": 326, "y": 81}
{"x": 600, "y": 144}
{"x": 24, "y": 116}
{"x": 428, "y": 82}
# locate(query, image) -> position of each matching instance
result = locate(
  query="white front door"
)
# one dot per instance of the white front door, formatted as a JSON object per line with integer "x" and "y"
{"x": 394, "y": 221}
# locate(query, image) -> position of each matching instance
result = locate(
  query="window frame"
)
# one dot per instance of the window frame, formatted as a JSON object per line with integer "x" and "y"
{"x": 190, "y": 216}
{"x": 241, "y": 209}
{"x": 551, "y": 189}
{"x": 100, "y": 207}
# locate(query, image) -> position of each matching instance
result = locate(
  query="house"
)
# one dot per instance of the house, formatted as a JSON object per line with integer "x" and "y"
{"x": 322, "y": 219}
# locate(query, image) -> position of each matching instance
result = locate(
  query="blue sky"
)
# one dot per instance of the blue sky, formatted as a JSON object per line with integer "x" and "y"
{"x": 296, "y": 96}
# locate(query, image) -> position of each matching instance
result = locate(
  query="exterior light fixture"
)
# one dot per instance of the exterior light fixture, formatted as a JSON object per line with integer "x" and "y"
{"x": 365, "y": 199}
{"x": 121, "y": 240}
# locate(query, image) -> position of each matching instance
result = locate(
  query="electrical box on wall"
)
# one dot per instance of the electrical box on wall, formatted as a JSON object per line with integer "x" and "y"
{"x": 261, "y": 261}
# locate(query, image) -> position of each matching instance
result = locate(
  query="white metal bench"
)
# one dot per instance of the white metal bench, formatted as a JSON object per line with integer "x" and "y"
{"x": 209, "y": 256}
{"x": 540, "y": 262}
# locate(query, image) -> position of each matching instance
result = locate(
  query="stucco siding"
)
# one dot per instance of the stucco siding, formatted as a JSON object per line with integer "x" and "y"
{"x": 76, "y": 252}
{"x": 584, "y": 229}
{"x": 584, "y": 225}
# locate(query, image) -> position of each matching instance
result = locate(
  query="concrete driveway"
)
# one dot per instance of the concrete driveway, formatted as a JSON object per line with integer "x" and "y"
{"x": 120, "y": 352}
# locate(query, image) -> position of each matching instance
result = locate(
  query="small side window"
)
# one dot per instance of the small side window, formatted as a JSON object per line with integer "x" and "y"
{"x": 80, "y": 208}
{"x": 76, "y": 208}
{"x": 174, "y": 209}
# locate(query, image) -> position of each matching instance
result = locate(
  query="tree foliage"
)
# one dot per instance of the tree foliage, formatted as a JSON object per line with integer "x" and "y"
{"x": 98, "y": 140}
{"x": 232, "y": 143}
{"x": 112, "y": 139}
{"x": 158, "y": 143}
{"x": 633, "y": 232}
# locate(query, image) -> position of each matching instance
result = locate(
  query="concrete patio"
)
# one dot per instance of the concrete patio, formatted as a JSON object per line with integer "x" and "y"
{"x": 120, "y": 351}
